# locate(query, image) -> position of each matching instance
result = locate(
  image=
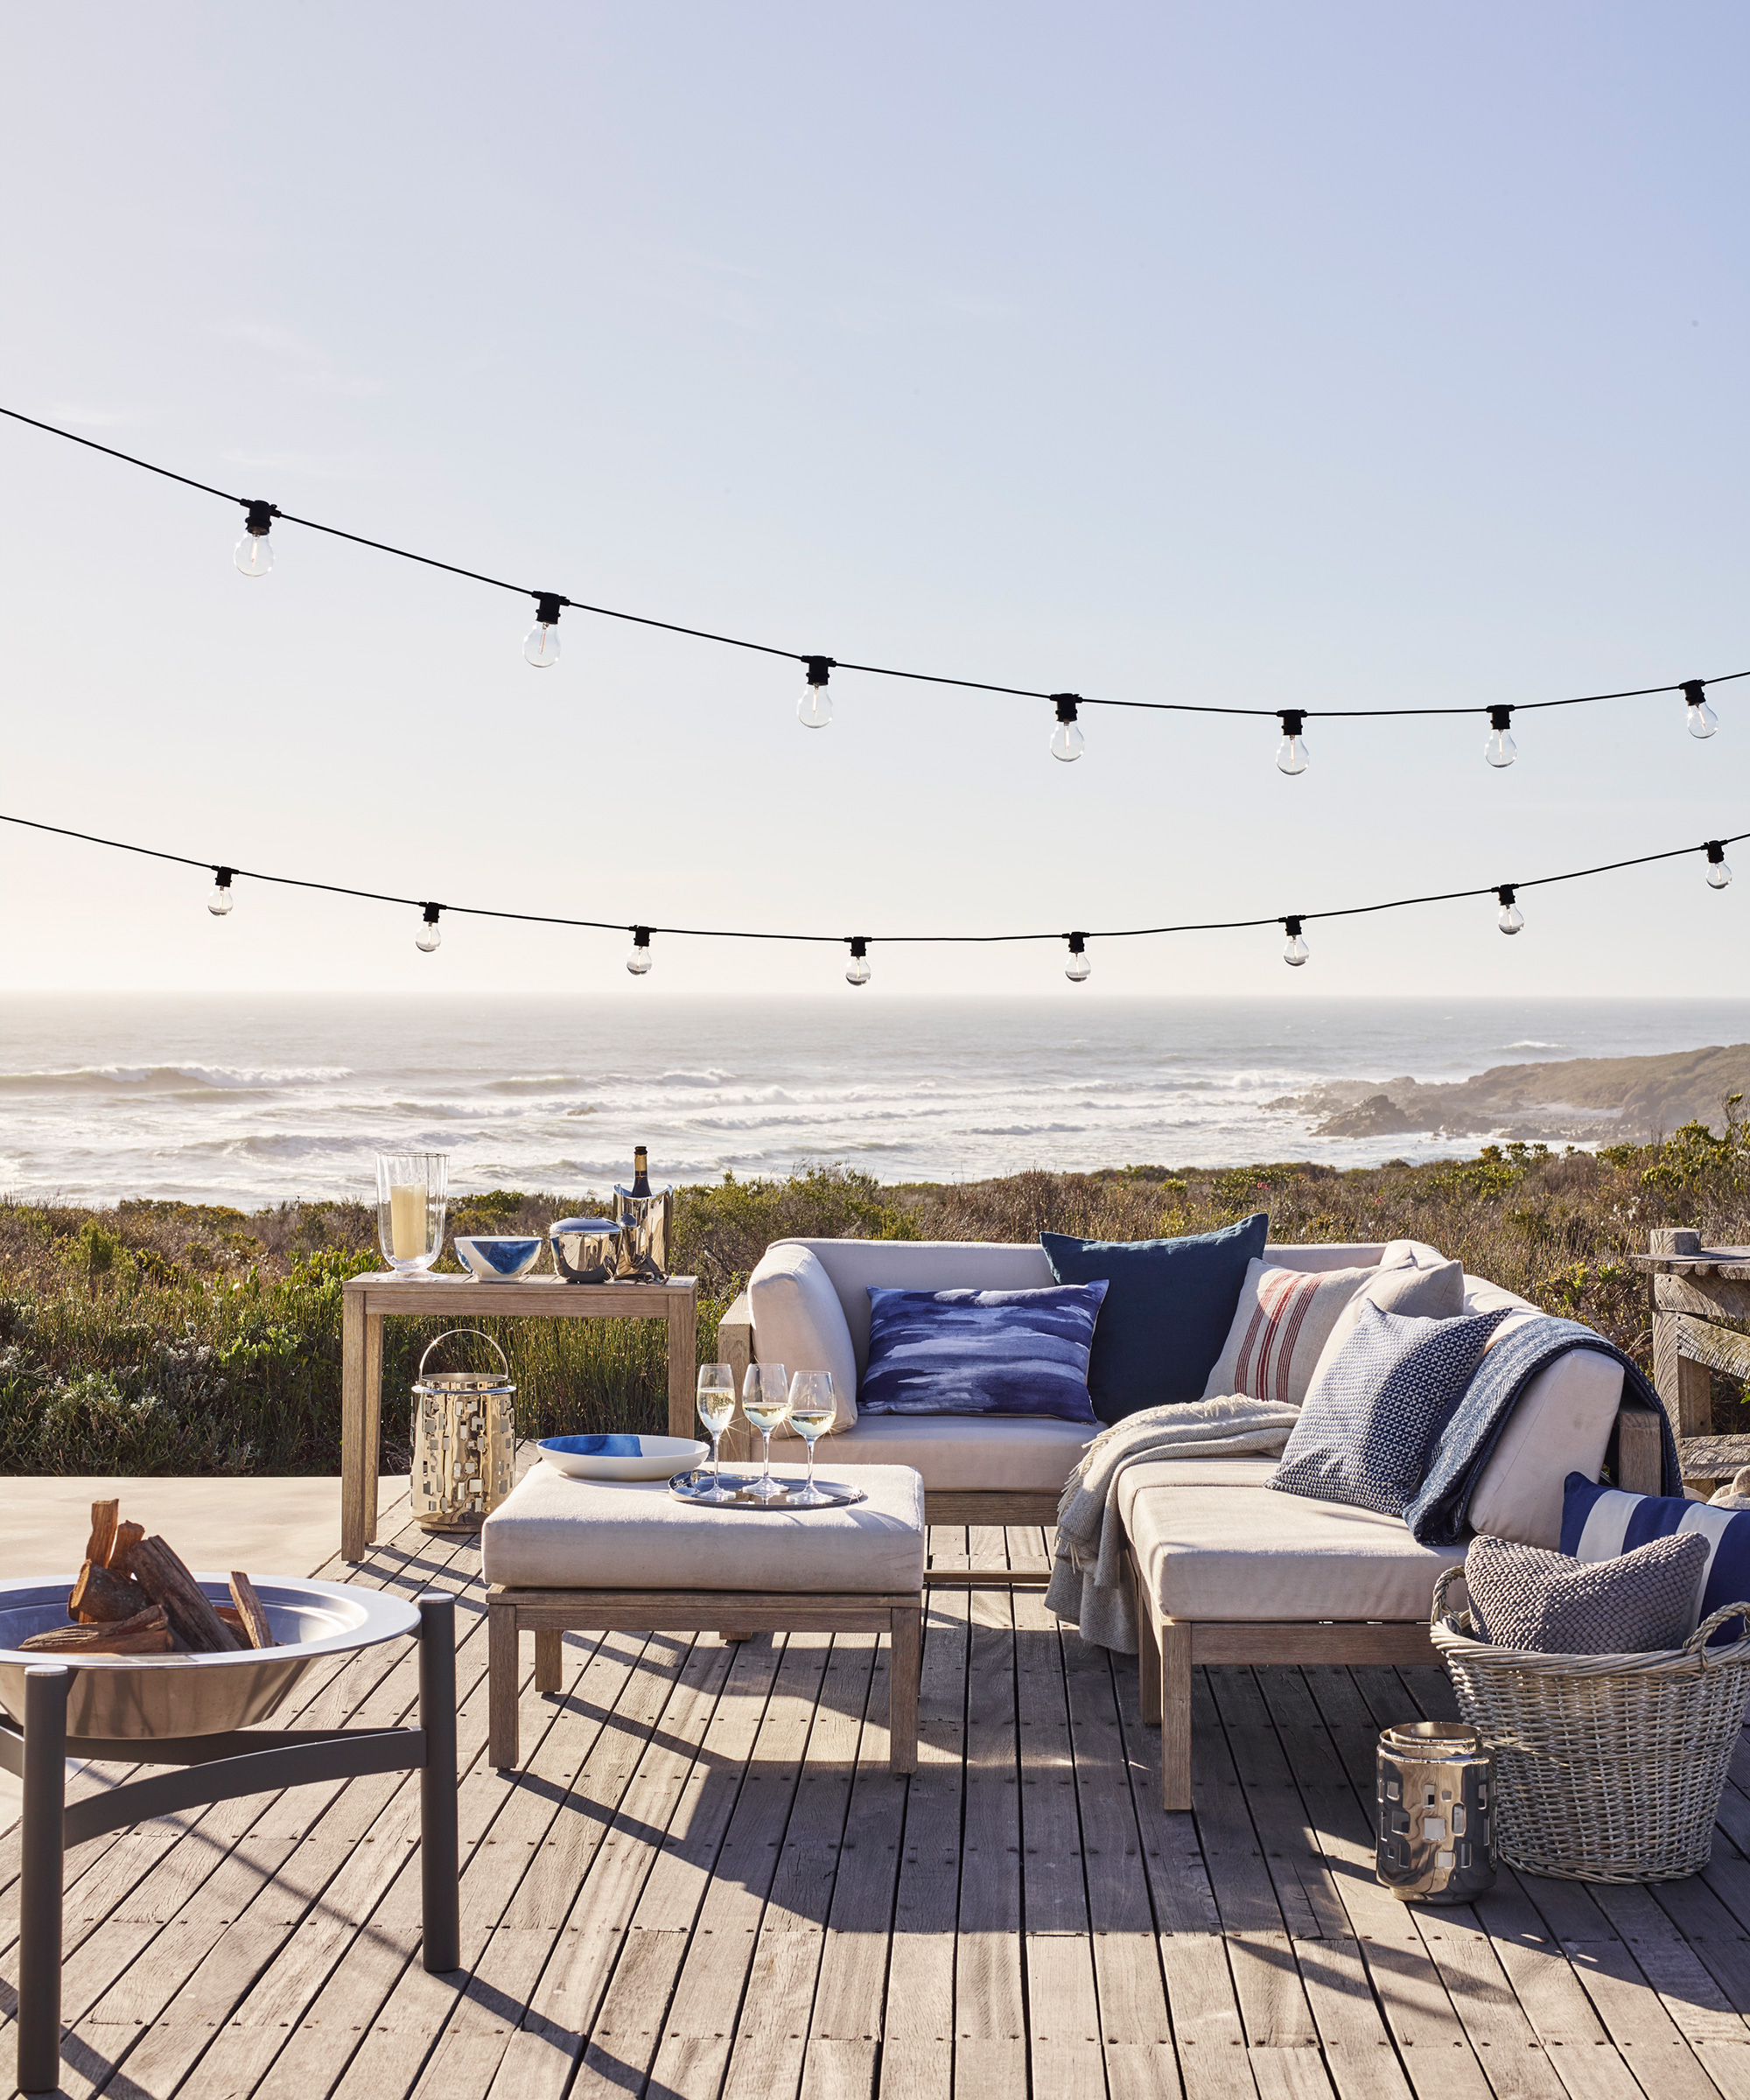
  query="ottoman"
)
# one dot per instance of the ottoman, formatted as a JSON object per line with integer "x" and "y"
{"x": 626, "y": 1556}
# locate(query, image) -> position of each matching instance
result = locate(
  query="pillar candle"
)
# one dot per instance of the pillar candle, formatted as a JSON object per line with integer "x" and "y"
{"x": 407, "y": 1222}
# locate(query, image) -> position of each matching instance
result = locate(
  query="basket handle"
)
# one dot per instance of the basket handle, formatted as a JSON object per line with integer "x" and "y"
{"x": 503, "y": 1358}
{"x": 1443, "y": 1583}
{"x": 1697, "y": 1643}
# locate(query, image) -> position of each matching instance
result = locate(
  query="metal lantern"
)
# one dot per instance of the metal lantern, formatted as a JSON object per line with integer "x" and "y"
{"x": 1434, "y": 1792}
{"x": 463, "y": 1442}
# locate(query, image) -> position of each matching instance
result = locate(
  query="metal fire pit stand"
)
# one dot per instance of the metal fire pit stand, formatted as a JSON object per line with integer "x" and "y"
{"x": 214, "y": 1767}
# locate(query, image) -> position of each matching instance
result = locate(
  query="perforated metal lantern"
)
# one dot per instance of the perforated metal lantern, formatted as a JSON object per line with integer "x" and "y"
{"x": 464, "y": 1441}
{"x": 1434, "y": 1795}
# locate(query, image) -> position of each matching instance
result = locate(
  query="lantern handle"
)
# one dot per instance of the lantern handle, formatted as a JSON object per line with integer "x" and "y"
{"x": 446, "y": 1335}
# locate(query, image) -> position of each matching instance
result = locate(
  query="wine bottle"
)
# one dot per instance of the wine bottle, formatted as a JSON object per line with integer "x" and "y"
{"x": 640, "y": 1171}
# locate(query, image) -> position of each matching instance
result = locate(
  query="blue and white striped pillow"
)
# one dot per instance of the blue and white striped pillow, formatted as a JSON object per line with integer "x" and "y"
{"x": 1598, "y": 1524}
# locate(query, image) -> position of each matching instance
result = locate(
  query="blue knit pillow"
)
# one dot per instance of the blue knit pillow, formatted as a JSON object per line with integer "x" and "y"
{"x": 981, "y": 1352}
{"x": 1374, "y": 1415}
{"x": 1598, "y": 1524}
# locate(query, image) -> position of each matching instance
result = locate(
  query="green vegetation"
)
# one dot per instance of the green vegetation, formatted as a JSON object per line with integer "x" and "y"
{"x": 180, "y": 1337}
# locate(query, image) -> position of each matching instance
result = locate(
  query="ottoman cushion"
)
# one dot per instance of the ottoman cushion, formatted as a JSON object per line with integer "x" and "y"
{"x": 554, "y": 1534}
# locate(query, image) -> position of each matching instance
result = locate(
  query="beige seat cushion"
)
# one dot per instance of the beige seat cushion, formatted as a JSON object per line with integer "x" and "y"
{"x": 1562, "y": 1424}
{"x": 1249, "y": 1553}
{"x": 998, "y": 1453}
{"x": 799, "y": 1322}
{"x": 550, "y": 1533}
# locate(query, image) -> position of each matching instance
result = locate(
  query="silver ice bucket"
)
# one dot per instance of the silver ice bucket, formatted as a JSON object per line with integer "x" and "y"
{"x": 646, "y": 1225}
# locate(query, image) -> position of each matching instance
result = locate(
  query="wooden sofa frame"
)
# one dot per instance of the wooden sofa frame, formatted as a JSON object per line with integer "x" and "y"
{"x": 1171, "y": 1648}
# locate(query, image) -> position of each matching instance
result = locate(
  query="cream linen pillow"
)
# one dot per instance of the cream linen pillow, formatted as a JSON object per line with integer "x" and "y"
{"x": 1433, "y": 1290}
{"x": 1281, "y": 1324}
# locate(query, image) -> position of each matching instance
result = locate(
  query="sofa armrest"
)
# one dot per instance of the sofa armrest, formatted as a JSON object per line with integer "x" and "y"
{"x": 1640, "y": 1456}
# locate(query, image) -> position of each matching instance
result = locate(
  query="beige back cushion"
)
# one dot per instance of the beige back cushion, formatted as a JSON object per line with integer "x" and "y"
{"x": 1561, "y": 1425}
{"x": 799, "y": 1322}
{"x": 853, "y": 1265}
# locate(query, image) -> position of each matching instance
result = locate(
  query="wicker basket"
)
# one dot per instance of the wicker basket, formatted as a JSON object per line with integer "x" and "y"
{"x": 1607, "y": 1767}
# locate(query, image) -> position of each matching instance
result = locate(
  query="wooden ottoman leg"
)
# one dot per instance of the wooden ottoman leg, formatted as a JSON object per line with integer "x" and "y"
{"x": 906, "y": 1668}
{"x": 548, "y": 1645}
{"x": 1174, "y": 1636}
{"x": 502, "y": 1687}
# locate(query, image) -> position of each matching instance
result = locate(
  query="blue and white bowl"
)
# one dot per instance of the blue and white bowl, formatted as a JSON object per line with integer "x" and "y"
{"x": 496, "y": 1258}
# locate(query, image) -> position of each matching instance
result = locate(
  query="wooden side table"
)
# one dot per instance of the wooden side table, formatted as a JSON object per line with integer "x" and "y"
{"x": 368, "y": 1300}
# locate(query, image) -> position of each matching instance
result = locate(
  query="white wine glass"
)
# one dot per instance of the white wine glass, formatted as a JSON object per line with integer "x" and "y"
{"x": 717, "y": 1411}
{"x": 765, "y": 1401}
{"x": 812, "y": 1408}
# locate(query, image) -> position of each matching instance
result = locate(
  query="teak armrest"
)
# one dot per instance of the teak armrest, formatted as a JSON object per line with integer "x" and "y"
{"x": 1640, "y": 1456}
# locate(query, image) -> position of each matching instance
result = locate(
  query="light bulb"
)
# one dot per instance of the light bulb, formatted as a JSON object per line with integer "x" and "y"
{"x": 1501, "y": 750}
{"x": 1291, "y": 755}
{"x": 541, "y": 644}
{"x": 1296, "y": 951}
{"x": 1718, "y": 875}
{"x": 1067, "y": 742}
{"x": 638, "y": 962}
{"x": 814, "y": 710}
{"x": 1702, "y": 719}
{"x": 1078, "y": 966}
{"x": 254, "y": 555}
{"x": 1510, "y": 919}
{"x": 430, "y": 933}
{"x": 220, "y": 902}
{"x": 857, "y": 973}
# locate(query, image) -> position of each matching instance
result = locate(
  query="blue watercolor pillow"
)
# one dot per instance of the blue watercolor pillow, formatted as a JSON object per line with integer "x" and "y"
{"x": 1167, "y": 1315}
{"x": 1601, "y": 1524}
{"x": 1373, "y": 1418}
{"x": 981, "y": 1352}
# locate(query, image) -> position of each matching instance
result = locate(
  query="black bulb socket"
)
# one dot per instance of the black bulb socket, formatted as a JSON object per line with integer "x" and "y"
{"x": 859, "y": 947}
{"x": 1293, "y": 720}
{"x": 1506, "y": 894}
{"x": 1501, "y": 718}
{"x": 1292, "y": 926}
{"x": 547, "y": 604}
{"x": 640, "y": 936}
{"x": 1078, "y": 942}
{"x": 1066, "y": 705}
{"x": 221, "y": 878}
{"x": 1715, "y": 851}
{"x": 1694, "y": 692}
{"x": 432, "y": 912}
{"x": 258, "y": 518}
{"x": 819, "y": 668}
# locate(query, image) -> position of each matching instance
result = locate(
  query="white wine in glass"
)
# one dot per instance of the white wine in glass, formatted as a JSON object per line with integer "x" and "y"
{"x": 812, "y": 1408}
{"x": 765, "y": 1401}
{"x": 717, "y": 1411}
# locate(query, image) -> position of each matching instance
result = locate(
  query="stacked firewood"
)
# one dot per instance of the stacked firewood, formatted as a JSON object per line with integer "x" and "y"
{"x": 135, "y": 1597}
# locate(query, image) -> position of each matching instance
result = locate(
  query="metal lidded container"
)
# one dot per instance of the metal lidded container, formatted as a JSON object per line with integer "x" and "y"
{"x": 1434, "y": 1789}
{"x": 464, "y": 1441}
{"x": 585, "y": 1251}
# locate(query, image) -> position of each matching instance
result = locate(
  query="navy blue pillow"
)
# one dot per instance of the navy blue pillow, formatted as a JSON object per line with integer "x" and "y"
{"x": 1598, "y": 1524}
{"x": 980, "y": 1352}
{"x": 1374, "y": 1416}
{"x": 1167, "y": 1314}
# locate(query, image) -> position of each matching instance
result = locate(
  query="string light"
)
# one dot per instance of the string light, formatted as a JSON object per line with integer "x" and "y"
{"x": 1501, "y": 750}
{"x": 857, "y": 973}
{"x": 814, "y": 710}
{"x": 1078, "y": 966}
{"x": 1509, "y": 919}
{"x": 1296, "y": 950}
{"x": 220, "y": 902}
{"x": 541, "y": 644}
{"x": 1290, "y": 756}
{"x": 638, "y": 962}
{"x": 429, "y": 935}
{"x": 1718, "y": 875}
{"x": 1067, "y": 742}
{"x": 254, "y": 555}
{"x": 1702, "y": 719}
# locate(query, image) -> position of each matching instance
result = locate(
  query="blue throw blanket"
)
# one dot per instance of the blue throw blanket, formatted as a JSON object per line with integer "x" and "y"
{"x": 1438, "y": 1514}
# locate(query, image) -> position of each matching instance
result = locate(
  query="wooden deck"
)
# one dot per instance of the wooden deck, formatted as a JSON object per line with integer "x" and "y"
{"x": 704, "y": 1881}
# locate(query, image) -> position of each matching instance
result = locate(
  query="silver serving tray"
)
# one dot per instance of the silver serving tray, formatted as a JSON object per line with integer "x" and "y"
{"x": 689, "y": 1487}
{"x": 143, "y": 1696}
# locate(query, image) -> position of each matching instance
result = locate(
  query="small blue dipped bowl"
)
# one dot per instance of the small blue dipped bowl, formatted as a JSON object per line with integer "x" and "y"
{"x": 496, "y": 1258}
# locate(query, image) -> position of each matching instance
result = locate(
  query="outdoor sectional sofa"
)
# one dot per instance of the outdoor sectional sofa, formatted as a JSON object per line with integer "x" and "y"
{"x": 1226, "y": 1568}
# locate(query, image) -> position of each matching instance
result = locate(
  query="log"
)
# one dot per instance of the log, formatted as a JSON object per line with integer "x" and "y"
{"x": 229, "y": 1615}
{"x": 146, "y": 1634}
{"x": 127, "y": 1537}
{"x": 161, "y": 1574}
{"x": 98, "y": 1596}
{"x": 251, "y": 1611}
{"x": 103, "y": 1518}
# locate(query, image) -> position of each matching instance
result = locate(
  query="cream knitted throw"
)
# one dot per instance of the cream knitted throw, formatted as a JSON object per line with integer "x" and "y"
{"x": 1089, "y": 1583}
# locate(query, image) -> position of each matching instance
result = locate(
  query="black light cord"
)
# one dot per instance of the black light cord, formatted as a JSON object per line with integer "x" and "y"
{"x": 717, "y": 932}
{"x": 872, "y": 670}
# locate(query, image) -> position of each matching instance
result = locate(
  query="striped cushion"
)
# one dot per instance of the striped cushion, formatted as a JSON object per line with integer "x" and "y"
{"x": 1598, "y": 1524}
{"x": 1283, "y": 1322}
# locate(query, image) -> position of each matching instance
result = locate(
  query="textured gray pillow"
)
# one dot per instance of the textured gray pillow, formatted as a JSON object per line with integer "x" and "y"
{"x": 1550, "y": 1605}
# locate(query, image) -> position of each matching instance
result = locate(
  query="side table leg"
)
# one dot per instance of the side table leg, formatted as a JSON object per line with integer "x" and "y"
{"x": 684, "y": 1348}
{"x": 39, "y": 1890}
{"x": 441, "y": 1924}
{"x": 904, "y": 1669}
{"x": 372, "y": 1420}
{"x": 353, "y": 1531}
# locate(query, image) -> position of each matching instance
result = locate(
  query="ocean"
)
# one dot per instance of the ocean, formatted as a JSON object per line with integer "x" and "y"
{"x": 259, "y": 1100}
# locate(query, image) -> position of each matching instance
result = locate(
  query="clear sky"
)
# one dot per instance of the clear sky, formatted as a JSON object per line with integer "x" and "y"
{"x": 1343, "y": 356}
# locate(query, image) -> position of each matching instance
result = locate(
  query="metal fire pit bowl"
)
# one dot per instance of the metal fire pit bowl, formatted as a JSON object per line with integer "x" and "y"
{"x": 138, "y": 1697}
